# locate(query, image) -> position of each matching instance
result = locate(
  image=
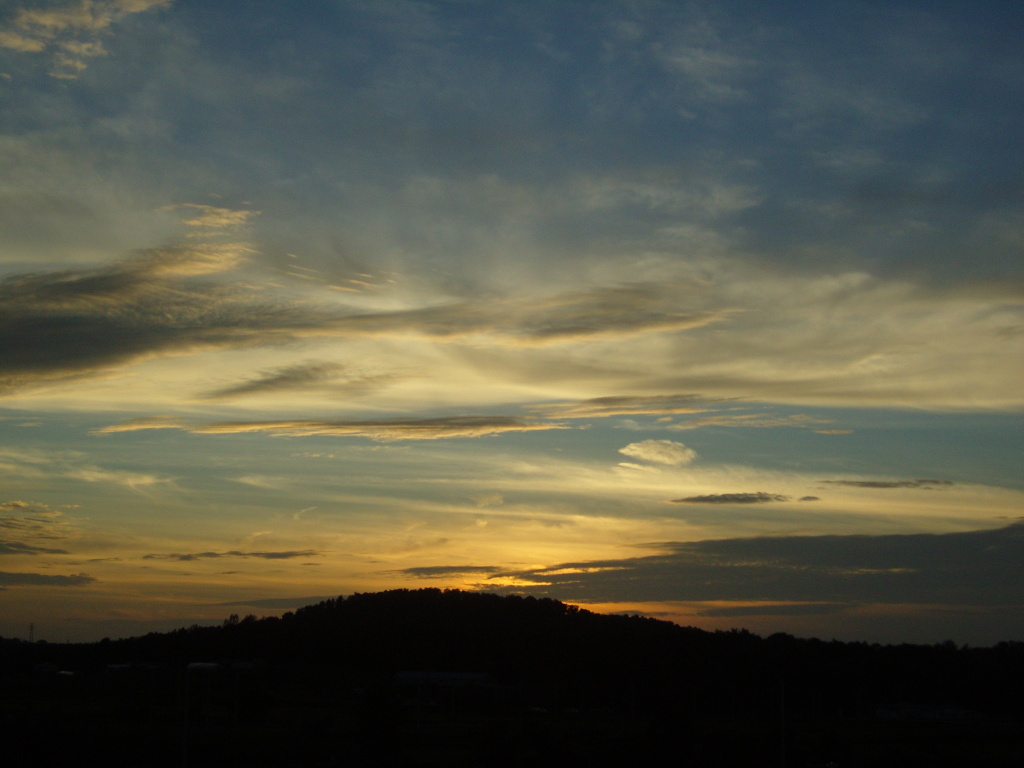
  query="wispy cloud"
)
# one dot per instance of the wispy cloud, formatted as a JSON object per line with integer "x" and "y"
{"x": 273, "y": 555}
{"x": 604, "y": 312}
{"x": 61, "y": 325}
{"x": 778, "y": 609}
{"x": 43, "y": 580}
{"x": 18, "y": 548}
{"x": 715, "y": 70}
{"x": 333, "y": 378}
{"x": 752, "y": 420}
{"x": 214, "y": 217}
{"x": 686, "y": 405}
{"x": 442, "y": 571}
{"x": 387, "y": 430}
{"x": 23, "y": 525}
{"x": 266, "y": 482}
{"x": 758, "y": 497}
{"x": 35, "y": 509}
{"x": 136, "y": 425}
{"x": 924, "y": 484}
{"x": 126, "y": 478}
{"x": 628, "y": 405}
{"x": 71, "y": 31}
{"x": 442, "y": 427}
{"x": 291, "y": 377}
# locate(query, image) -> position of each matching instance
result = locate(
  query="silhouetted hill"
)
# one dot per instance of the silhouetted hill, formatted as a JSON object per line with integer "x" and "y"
{"x": 431, "y": 677}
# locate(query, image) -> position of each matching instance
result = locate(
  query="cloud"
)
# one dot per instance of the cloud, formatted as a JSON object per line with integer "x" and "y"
{"x": 35, "y": 527}
{"x": 779, "y": 609}
{"x": 60, "y": 326}
{"x": 30, "y": 522}
{"x": 604, "y": 312}
{"x": 67, "y": 324}
{"x": 714, "y": 67}
{"x": 925, "y": 484}
{"x": 759, "y": 497}
{"x": 668, "y": 405}
{"x": 17, "y": 548}
{"x": 266, "y": 482}
{"x": 41, "y": 580}
{"x": 488, "y": 500}
{"x": 632, "y": 467}
{"x": 759, "y": 420}
{"x": 384, "y": 431}
{"x": 660, "y": 452}
{"x": 826, "y": 337}
{"x": 842, "y": 339}
{"x": 70, "y": 30}
{"x": 63, "y": 325}
{"x": 28, "y": 507}
{"x": 189, "y": 557}
{"x": 441, "y": 571}
{"x": 981, "y": 568}
{"x": 627, "y": 405}
{"x": 20, "y": 42}
{"x": 133, "y": 480}
{"x": 288, "y": 378}
{"x": 135, "y": 425}
{"x": 306, "y": 376}
{"x": 212, "y": 217}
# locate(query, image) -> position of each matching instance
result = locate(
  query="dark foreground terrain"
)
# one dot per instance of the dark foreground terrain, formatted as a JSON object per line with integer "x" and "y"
{"x": 447, "y": 678}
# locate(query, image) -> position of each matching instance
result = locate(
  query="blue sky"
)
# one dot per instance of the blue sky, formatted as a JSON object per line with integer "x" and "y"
{"x": 298, "y": 300}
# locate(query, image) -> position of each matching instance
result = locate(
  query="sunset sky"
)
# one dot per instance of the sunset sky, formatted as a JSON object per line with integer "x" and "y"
{"x": 712, "y": 311}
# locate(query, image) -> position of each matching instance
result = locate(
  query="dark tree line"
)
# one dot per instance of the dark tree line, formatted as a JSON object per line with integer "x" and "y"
{"x": 432, "y": 677}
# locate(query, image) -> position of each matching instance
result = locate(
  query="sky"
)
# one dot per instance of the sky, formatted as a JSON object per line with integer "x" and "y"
{"x": 708, "y": 311}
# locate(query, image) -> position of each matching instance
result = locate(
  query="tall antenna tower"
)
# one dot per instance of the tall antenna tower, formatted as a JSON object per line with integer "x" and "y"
{"x": 31, "y": 633}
